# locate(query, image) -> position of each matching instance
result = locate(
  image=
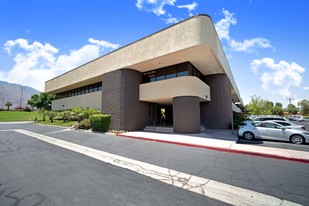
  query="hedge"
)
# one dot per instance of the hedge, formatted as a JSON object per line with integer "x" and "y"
{"x": 100, "y": 122}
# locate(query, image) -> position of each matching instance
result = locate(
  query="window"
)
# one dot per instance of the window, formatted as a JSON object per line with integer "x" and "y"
{"x": 260, "y": 124}
{"x": 270, "y": 125}
{"x": 81, "y": 90}
{"x": 160, "y": 74}
{"x": 171, "y": 72}
{"x": 90, "y": 88}
{"x": 179, "y": 70}
{"x": 182, "y": 71}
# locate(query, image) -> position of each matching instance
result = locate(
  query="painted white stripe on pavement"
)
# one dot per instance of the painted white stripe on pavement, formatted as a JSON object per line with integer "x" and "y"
{"x": 7, "y": 130}
{"x": 18, "y": 122}
{"x": 210, "y": 188}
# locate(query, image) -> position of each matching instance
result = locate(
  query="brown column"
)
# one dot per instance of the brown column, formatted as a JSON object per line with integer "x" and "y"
{"x": 120, "y": 98}
{"x": 217, "y": 114}
{"x": 186, "y": 115}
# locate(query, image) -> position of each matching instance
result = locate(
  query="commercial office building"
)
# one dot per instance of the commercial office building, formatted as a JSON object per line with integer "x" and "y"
{"x": 181, "y": 70}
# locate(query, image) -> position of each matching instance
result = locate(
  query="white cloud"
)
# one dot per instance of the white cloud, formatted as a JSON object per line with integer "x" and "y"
{"x": 36, "y": 63}
{"x": 157, "y": 7}
{"x": 154, "y": 6}
{"x": 278, "y": 77}
{"x": 104, "y": 44}
{"x": 250, "y": 45}
{"x": 170, "y": 19}
{"x": 247, "y": 45}
{"x": 223, "y": 26}
{"x": 306, "y": 88}
{"x": 190, "y": 7}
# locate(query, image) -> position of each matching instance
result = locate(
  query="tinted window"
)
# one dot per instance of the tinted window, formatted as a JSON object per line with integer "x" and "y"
{"x": 269, "y": 125}
{"x": 284, "y": 123}
{"x": 260, "y": 124}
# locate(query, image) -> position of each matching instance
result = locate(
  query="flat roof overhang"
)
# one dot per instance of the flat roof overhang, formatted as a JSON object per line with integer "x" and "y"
{"x": 194, "y": 40}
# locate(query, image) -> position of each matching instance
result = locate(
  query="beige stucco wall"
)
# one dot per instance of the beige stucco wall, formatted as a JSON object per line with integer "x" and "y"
{"x": 164, "y": 91}
{"x": 193, "y": 40}
{"x": 170, "y": 40}
{"x": 211, "y": 38}
{"x": 92, "y": 100}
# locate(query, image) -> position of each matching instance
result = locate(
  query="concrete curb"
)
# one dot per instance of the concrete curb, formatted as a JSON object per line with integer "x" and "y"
{"x": 221, "y": 149}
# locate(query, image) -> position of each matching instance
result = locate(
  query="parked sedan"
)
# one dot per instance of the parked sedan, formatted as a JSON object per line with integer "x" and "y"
{"x": 268, "y": 118}
{"x": 298, "y": 118}
{"x": 289, "y": 124}
{"x": 271, "y": 130}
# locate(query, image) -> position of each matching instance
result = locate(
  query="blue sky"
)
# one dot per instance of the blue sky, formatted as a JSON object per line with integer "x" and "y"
{"x": 266, "y": 41}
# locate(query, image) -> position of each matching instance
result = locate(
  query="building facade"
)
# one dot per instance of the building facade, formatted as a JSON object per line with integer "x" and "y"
{"x": 178, "y": 76}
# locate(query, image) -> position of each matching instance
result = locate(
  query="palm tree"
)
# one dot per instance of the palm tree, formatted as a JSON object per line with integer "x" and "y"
{"x": 8, "y": 104}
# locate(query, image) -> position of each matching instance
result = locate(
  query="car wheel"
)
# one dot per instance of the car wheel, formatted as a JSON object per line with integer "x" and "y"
{"x": 297, "y": 139}
{"x": 248, "y": 135}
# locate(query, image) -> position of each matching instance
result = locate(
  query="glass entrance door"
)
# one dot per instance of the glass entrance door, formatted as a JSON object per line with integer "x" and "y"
{"x": 165, "y": 112}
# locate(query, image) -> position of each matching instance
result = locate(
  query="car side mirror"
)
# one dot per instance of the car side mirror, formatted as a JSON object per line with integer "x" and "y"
{"x": 283, "y": 128}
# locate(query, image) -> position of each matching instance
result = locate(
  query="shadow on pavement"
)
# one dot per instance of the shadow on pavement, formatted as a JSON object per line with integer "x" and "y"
{"x": 243, "y": 141}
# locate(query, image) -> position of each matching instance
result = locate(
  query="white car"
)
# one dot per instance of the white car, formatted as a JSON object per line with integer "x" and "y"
{"x": 298, "y": 118}
{"x": 289, "y": 124}
{"x": 271, "y": 130}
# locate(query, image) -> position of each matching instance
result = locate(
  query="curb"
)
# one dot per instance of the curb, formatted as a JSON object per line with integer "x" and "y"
{"x": 257, "y": 154}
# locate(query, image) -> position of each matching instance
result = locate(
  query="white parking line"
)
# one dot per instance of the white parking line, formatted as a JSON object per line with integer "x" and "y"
{"x": 210, "y": 188}
{"x": 7, "y": 130}
{"x": 18, "y": 122}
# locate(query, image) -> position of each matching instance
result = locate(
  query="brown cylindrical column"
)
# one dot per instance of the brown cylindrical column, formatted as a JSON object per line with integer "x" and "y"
{"x": 217, "y": 114}
{"x": 186, "y": 115}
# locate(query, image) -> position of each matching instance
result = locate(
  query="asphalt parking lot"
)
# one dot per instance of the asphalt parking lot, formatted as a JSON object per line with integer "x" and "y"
{"x": 34, "y": 172}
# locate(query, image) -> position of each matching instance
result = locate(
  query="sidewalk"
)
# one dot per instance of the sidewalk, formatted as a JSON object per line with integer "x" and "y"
{"x": 221, "y": 140}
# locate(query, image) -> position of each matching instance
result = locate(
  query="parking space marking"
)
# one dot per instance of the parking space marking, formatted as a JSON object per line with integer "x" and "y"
{"x": 213, "y": 189}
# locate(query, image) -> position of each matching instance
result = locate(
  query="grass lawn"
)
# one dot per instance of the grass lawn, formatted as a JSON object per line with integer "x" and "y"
{"x": 57, "y": 123}
{"x": 13, "y": 116}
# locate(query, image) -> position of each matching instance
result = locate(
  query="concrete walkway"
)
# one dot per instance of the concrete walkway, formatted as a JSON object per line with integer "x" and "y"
{"x": 221, "y": 140}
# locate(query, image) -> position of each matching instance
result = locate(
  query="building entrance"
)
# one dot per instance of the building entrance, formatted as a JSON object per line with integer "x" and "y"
{"x": 165, "y": 114}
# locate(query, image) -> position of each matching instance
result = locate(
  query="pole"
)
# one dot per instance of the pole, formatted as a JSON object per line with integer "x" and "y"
{"x": 3, "y": 102}
{"x": 21, "y": 95}
{"x": 232, "y": 124}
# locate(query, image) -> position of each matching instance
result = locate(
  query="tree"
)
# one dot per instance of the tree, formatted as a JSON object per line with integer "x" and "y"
{"x": 41, "y": 101}
{"x": 277, "y": 110}
{"x": 304, "y": 107}
{"x": 259, "y": 106}
{"x": 292, "y": 109}
{"x": 278, "y": 104}
{"x": 33, "y": 102}
{"x": 8, "y": 104}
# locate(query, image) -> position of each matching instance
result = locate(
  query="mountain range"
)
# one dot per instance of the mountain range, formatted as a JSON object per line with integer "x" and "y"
{"x": 15, "y": 93}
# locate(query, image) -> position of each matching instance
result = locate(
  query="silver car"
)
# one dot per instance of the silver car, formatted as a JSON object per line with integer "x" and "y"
{"x": 271, "y": 130}
{"x": 289, "y": 124}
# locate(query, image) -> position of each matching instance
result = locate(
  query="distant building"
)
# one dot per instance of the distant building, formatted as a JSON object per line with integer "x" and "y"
{"x": 178, "y": 76}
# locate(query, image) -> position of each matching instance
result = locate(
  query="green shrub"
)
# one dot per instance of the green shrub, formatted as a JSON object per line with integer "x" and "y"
{"x": 85, "y": 124}
{"x": 27, "y": 109}
{"x": 100, "y": 122}
{"x": 89, "y": 111}
{"x": 238, "y": 118}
